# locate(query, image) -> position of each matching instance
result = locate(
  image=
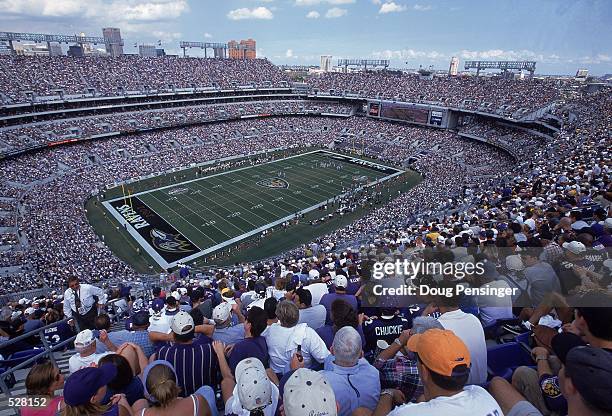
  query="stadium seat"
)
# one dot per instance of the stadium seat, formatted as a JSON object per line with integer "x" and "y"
{"x": 503, "y": 359}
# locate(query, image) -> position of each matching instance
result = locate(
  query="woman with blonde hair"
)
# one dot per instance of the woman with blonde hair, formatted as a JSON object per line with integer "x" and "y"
{"x": 162, "y": 395}
{"x": 85, "y": 389}
{"x": 42, "y": 381}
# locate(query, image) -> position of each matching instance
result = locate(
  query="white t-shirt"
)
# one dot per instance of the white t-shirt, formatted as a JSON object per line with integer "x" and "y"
{"x": 467, "y": 327}
{"x": 317, "y": 290}
{"x": 494, "y": 307}
{"x": 282, "y": 343}
{"x": 76, "y": 362}
{"x": 233, "y": 405}
{"x": 472, "y": 401}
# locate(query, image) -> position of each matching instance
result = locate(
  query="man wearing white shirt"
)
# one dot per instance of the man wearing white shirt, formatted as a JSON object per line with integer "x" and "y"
{"x": 469, "y": 328}
{"x": 80, "y": 304}
{"x": 284, "y": 337}
{"x": 443, "y": 361}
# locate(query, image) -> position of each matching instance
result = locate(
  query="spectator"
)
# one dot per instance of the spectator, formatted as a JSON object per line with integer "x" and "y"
{"x": 250, "y": 391}
{"x": 125, "y": 382}
{"x": 81, "y": 302}
{"x": 224, "y": 331}
{"x": 342, "y": 314}
{"x": 44, "y": 380}
{"x": 386, "y": 328}
{"x": 162, "y": 393}
{"x": 313, "y": 316}
{"x": 285, "y": 337}
{"x": 355, "y": 382}
{"x": 444, "y": 365}
{"x": 85, "y": 389}
{"x": 195, "y": 363}
{"x": 340, "y": 285}
{"x": 85, "y": 347}
{"x": 398, "y": 366}
{"x": 137, "y": 335}
{"x": 307, "y": 393}
{"x": 254, "y": 344}
{"x": 469, "y": 329}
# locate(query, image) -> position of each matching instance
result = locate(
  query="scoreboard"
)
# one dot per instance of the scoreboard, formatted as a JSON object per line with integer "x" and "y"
{"x": 422, "y": 114}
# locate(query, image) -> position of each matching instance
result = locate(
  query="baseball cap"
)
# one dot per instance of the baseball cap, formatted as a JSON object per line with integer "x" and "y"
{"x": 564, "y": 342}
{"x": 575, "y": 247}
{"x": 441, "y": 351}
{"x": 313, "y": 274}
{"x": 84, "y": 339}
{"x": 254, "y": 387}
{"x": 30, "y": 311}
{"x": 340, "y": 281}
{"x": 222, "y": 312}
{"x": 514, "y": 262}
{"x": 83, "y": 384}
{"x": 590, "y": 370}
{"x": 308, "y": 393}
{"x": 182, "y": 323}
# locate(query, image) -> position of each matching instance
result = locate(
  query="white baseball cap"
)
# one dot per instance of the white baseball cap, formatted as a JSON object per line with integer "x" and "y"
{"x": 182, "y": 323}
{"x": 308, "y": 393}
{"x": 253, "y": 385}
{"x": 575, "y": 247}
{"x": 30, "y": 311}
{"x": 84, "y": 339}
{"x": 222, "y": 312}
{"x": 514, "y": 262}
{"x": 341, "y": 281}
{"x": 313, "y": 274}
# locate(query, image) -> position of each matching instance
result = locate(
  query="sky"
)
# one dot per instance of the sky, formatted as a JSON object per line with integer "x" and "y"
{"x": 562, "y": 36}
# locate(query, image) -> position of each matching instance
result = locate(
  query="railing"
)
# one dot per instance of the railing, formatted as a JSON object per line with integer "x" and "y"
{"x": 47, "y": 349}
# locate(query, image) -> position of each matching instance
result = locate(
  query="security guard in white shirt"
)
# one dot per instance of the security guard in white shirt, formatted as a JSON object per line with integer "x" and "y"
{"x": 80, "y": 303}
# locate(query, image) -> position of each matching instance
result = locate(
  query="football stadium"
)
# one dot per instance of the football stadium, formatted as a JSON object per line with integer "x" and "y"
{"x": 312, "y": 220}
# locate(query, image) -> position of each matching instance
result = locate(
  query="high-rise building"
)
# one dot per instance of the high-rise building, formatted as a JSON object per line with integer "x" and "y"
{"x": 246, "y": 49}
{"x": 454, "y": 66}
{"x": 326, "y": 63}
{"x": 115, "y": 45}
{"x": 147, "y": 51}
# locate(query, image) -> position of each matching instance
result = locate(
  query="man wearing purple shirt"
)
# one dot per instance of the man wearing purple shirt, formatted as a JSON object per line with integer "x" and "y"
{"x": 253, "y": 344}
{"x": 340, "y": 283}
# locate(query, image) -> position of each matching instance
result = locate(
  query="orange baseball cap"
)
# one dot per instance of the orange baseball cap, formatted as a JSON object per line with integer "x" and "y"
{"x": 441, "y": 351}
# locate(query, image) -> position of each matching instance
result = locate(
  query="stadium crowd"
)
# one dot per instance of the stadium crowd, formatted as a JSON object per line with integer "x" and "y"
{"x": 488, "y": 95}
{"x": 59, "y": 180}
{"x": 39, "y": 134}
{"x": 44, "y": 76}
{"x": 301, "y": 334}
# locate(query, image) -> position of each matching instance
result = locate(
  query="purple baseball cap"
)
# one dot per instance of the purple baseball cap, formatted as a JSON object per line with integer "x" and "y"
{"x": 83, "y": 384}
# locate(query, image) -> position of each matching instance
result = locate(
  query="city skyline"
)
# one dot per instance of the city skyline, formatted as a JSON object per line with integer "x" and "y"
{"x": 561, "y": 36}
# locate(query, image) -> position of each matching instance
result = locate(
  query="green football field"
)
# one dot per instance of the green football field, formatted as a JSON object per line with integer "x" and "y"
{"x": 184, "y": 221}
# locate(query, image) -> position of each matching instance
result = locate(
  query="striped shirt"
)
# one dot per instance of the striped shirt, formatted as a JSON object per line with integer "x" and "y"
{"x": 195, "y": 364}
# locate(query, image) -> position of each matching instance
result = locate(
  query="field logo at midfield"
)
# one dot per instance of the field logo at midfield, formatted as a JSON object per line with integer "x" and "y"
{"x": 276, "y": 183}
{"x": 172, "y": 243}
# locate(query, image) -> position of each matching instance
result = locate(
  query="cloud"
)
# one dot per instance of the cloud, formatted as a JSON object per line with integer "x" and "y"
{"x": 597, "y": 59}
{"x": 245, "y": 13}
{"x": 500, "y": 54}
{"x": 335, "y": 12}
{"x": 408, "y": 54}
{"x": 313, "y": 15}
{"x": 391, "y": 7}
{"x": 421, "y": 7}
{"x": 167, "y": 36}
{"x": 208, "y": 35}
{"x": 317, "y": 2}
{"x": 289, "y": 53}
{"x": 115, "y": 10}
{"x": 377, "y": 2}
